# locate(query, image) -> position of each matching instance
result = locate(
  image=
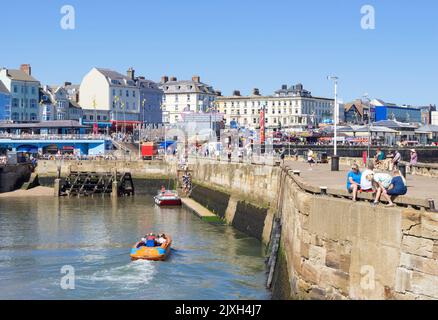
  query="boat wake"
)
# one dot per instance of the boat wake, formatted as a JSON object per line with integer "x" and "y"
{"x": 132, "y": 275}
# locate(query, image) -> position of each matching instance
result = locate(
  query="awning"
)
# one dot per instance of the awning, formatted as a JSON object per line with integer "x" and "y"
{"x": 27, "y": 149}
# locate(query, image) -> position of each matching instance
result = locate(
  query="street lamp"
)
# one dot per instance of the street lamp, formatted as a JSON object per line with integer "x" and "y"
{"x": 369, "y": 127}
{"x": 336, "y": 111}
{"x": 117, "y": 100}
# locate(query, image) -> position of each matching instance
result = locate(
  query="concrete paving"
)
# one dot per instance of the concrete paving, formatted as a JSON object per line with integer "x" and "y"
{"x": 321, "y": 175}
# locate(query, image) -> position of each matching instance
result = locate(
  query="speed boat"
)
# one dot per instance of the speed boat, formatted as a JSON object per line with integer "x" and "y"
{"x": 167, "y": 198}
{"x": 146, "y": 251}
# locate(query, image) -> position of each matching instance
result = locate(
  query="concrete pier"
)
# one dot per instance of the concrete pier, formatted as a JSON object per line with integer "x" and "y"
{"x": 200, "y": 211}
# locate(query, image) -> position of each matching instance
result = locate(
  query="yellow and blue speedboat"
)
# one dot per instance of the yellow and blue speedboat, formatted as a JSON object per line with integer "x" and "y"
{"x": 151, "y": 250}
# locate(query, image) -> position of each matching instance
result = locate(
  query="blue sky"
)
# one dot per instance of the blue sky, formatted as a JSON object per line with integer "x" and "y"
{"x": 235, "y": 44}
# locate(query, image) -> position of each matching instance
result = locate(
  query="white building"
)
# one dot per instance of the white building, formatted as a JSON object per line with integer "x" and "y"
{"x": 185, "y": 96}
{"x": 24, "y": 90}
{"x": 108, "y": 95}
{"x": 289, "y": 108}
{"x": 434, "y": 118}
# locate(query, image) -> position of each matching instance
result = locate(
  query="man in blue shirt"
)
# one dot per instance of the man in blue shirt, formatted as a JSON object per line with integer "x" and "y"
{"x": 397, "y": 188}
{"x": 353, "y": 180}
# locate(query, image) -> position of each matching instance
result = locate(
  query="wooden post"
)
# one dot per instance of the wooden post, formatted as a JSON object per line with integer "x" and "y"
{"x": 115, "y": 189}
{"x": 57, "y": 187}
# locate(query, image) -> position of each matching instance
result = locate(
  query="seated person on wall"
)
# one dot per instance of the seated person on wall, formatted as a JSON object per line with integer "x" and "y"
{"x": 381, "y": 181}
{"x": 366, "y": 181}
{"x": 353, "y": 180}
{"x": 379, "y": 157}
{"x": 397, "y": 188}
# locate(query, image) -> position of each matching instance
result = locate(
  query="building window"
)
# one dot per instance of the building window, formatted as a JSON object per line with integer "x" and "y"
{"x": 127, "y": 93}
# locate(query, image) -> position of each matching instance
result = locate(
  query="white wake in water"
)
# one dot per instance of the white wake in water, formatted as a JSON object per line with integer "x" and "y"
{"x": 132, "y": 275}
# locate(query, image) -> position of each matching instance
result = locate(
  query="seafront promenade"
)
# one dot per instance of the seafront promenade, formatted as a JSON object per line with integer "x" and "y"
{"x": 320, "y": 175}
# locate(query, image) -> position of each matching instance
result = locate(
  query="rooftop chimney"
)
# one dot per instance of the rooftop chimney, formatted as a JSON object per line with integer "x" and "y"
{"x": 219, "y": 93}
{"x": 236, "y": 93}
{"x": 256, "y": 92}
{"x": 26, "y": 68}
{"x": 173, "y": 79}
{"x": 284, "y": 87}
{"x": 164, "y": 79}
{"x": 66, "y": 84}
{"x": 131, "y": 73}
{"x": 196, "y": 79}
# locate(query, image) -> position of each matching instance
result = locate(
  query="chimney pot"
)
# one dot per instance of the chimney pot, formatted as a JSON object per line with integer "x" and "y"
{"x": 164, "y": 79}
{"x": 26, "y": 68}
{"x": 131, "y": 73}
{"x": 236, "y": 93}
{"x": 256, "y": 92}
{"x": 196, "y": 79}
{"x": 284, "y": 87}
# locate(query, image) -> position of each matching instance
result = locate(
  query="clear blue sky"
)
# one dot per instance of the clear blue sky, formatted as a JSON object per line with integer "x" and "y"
{"x": 235, "y": 44}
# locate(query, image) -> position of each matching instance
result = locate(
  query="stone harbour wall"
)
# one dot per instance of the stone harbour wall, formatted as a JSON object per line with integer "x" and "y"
{"x": 331, "y": 248}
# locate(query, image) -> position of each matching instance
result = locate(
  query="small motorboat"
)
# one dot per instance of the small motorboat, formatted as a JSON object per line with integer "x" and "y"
{"x": 150, "y": 250}
{"x": 167, "y": 198}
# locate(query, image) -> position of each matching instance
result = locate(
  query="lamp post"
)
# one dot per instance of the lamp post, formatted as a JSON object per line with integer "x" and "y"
{"x": 369, "y": 128}
{"x": 117, "y": 100}
{"x": 336, "y": 111}
{"x": 124, "y": 116}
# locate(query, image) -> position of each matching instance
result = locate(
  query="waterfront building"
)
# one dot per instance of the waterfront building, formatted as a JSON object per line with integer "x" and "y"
{"x": 24, "y": 90}
{"x": 289, "y": 108}
{"x": 426, "y": 114}
{"x": 357, "y": 112}
{"x": 5, "y": 103}
{"x": 185, "y": 96}
{"x": 434, "y": 118}
{"x": 401, "y": 114}
{"x": 151, "y": 97}
{"x": 108, "y": 96}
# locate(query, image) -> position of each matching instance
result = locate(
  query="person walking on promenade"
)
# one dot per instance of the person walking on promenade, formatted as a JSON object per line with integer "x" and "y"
{"x": 397, "y": 188}
{"x": 396, "y": 160}
{"x": 414, "y": 157}
{"x": 310, "y": 158}
{"x": 353, "y": 181}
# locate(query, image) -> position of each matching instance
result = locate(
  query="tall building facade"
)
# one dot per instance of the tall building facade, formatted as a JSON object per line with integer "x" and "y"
{"x": 109, "y": 95}
{"x": 289, "y": 108}
{"x": 185, "y": 96}
{"x": 5, "y": 103}
{"x": 24, "y": 90}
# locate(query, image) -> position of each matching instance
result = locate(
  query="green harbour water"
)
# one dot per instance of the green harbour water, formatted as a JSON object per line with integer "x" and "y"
{"x": 41, "y": 235}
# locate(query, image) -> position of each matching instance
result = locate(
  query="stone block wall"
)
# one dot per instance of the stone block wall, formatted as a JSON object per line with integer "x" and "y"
{"x": 336, "y": 249}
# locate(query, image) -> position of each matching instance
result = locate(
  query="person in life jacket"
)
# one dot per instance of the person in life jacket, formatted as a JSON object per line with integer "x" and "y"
{"x": 150, "y": 240}
{"x": 163, "y": 189}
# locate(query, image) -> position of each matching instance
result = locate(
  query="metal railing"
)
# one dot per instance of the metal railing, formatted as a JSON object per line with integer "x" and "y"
{"x": 5, "y": 136}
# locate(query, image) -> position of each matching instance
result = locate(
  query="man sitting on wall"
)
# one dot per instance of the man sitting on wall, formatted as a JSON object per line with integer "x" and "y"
{"x": 353, "y": 180}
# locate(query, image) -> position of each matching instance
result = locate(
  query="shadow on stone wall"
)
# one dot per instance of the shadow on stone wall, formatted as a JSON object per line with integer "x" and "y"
{"x": 250, "y": 219}
{"x": 214, "y": 200}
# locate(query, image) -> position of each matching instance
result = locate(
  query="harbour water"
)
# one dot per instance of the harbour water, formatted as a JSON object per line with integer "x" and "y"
{"x": 38, "y": 236}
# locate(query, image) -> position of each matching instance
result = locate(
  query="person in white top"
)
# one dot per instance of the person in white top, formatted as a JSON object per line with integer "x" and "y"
{"x": 366, "y": 181}
{"x": 161, "y": 239}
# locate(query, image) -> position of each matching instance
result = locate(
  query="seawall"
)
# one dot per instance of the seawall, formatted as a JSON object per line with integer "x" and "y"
{"x": 12, "y": 177}
{"x": 330, "y": 247}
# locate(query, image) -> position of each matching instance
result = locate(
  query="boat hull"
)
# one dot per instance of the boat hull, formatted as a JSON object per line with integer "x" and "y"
{"x": 151, "y": 253}
{"x": 167, "y": 201}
